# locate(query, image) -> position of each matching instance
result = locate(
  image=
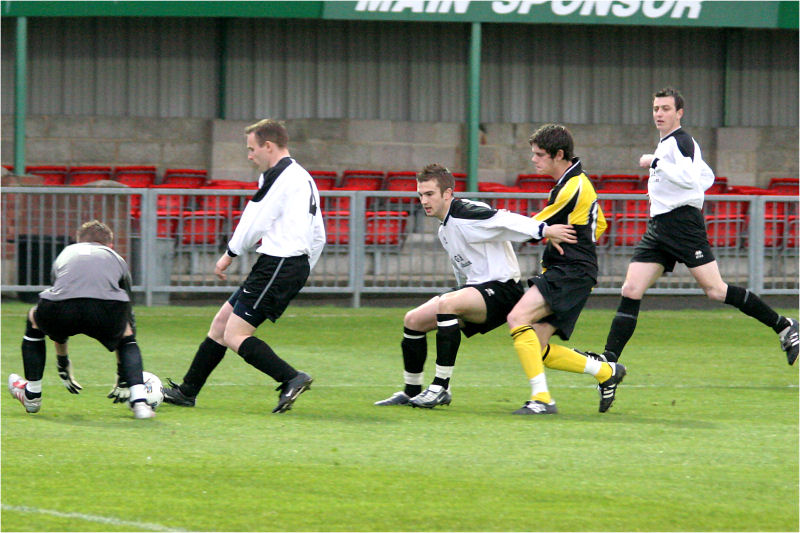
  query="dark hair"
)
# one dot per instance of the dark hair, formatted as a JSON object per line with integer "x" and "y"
{"x": 95, "y": 231}
{"x": 553, "y": 137}
{"x": 669, "y": 91}
{"x": 269, "y": 130}
{"x": 438, "y": 173}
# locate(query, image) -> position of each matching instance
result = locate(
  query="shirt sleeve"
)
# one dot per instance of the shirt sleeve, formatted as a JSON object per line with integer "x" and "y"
{"x": 257, "y": 218}
{"x": 503, "y": 226}
{"x": 681, "y": 170}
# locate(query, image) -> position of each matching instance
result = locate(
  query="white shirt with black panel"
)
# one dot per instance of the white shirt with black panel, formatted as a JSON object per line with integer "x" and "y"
{"x": 283, "y": 215}
{"x": 678, "y": 174}
{"x": 478, "y": 240}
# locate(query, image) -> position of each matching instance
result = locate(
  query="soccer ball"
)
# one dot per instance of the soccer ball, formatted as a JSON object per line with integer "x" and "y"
{"x": 153, "y": 389}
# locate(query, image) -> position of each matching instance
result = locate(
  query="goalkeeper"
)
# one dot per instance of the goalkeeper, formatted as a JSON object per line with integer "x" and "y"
{"x": 90, "y": 295}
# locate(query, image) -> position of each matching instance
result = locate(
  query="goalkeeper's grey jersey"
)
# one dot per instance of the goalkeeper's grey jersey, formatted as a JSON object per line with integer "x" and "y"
{"x": 678, "y": 174}
{"x": 88, "y": 270}
{"x": 477, "y": 239}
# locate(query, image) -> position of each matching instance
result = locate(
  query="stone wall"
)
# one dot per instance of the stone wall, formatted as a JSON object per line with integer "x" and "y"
{"x": 746, "y": 156}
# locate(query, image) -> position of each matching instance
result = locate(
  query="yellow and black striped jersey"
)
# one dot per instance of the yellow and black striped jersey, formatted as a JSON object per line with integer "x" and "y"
{"x": 573, "y": 200}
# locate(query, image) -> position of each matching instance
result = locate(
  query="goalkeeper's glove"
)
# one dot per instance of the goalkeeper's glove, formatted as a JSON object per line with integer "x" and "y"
{"x": 65, "y": 373}
{"x": 120, "y": 393}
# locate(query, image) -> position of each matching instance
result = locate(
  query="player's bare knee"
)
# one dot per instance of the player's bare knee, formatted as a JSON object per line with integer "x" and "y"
{"x": 716, "y": 292}
{"x": 632, "y": 290}
{"x": 516, "y": 318}
{"x": 412, "y": 320}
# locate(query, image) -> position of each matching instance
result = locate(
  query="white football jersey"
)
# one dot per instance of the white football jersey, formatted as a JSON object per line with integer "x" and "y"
{"x": 478, "y": 240}
{"x": 678, "y": 174}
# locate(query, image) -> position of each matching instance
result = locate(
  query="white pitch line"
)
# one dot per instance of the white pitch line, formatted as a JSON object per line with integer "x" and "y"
{"x": 90, "y": 518}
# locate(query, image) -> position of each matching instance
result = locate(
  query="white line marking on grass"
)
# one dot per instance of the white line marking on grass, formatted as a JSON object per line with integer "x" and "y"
{"x": 90, "y": 518}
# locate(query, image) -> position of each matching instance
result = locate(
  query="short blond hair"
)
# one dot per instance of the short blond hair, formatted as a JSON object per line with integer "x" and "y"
{"x": 95, "y": 231}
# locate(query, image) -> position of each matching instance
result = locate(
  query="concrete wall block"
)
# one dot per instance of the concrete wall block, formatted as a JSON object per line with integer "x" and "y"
{"x": 35, "y": 126}
{"x": 504, "y": 134}
{"x": 312, "y": 155}
{"x": 226, "y": 131}
{"x": 737, "y": 138}
{"x": 779, "y": 137}
{"x": 46, "y": 152}
{"x": 77, "y": 127}
{"x": 419, "y": 132}
{"x": 351, "y": 156}
{"x": 369, "y": 131}
{"x": 186, "y": 155}
{"x": 422, "y": 155}
{"x": 93, "y": 152}
{"x": 7, "y": 126}
{"x": 320, "y": 129}
{"x": 391, "y": 156}
{"x": 7, "y": 149}
{"x": 139, "y": 153}
{"x": 496, "y": 175}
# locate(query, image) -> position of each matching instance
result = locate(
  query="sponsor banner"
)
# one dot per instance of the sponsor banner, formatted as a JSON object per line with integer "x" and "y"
{"x": 716, "y": 13}
{"x": 629, "y": 12}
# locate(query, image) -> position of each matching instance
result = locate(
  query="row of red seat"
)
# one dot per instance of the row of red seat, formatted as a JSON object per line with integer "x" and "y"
{"x": 210, "y": 227}
{"x": 131, "y": 175}
{"x": 369, "y": 180}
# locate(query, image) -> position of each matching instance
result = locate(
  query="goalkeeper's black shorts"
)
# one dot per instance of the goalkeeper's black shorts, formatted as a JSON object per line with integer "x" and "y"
{"x": 104, "y": 320}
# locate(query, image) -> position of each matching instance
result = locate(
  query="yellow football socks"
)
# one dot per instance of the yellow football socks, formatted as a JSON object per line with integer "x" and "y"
{"x": 529, "y": 351}
{"x": 563, "y": 358}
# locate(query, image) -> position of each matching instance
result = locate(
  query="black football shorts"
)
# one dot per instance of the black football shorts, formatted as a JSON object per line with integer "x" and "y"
{"x": 676, "y": 236}
{"x": 500, "y": 298}
{"x": 272, "y": 283}
{"x": 104, "y": 320}
{"x": 565, "y": 288}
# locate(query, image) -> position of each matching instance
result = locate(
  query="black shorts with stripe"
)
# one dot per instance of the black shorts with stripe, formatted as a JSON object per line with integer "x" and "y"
{"x": 272, "y": 283}
{"x": 676, "y": 236}
{"x": 104, "y": 320}
{"x": 565, "y": 288}
{"x": 500, "y": 298}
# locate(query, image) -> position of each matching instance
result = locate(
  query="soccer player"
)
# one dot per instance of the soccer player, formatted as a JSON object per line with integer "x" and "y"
{"x": 477, "y": 239}
{"x": 284, "y": 221}
{"x": 676, "y": 232}
{"x": 90, "y": 295}
{"x": 557, "y": 296}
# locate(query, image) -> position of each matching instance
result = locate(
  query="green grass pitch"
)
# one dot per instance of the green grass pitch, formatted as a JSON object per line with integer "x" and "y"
{"x": 703, "y": 437}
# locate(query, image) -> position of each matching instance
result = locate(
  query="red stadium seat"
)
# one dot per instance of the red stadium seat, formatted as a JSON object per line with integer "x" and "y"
{"x": 52, "y": 174}
{"x": 325, "y": 179}
{"x": 337, "y": 227}
{"x": 629, "y": 228}
{"x": 788, "y": 186}
{"x": 386, "y": 227}
{"x": 726, "y": 231}
{"x": 535, "y": 182}
{"x": 185, "y": 177}
{"x": 461, "y": 181}
{"x": 136, "y": 176}
{"x": 720, "y": 186}
{"x": 87, "y": 174}
{"x": 402, "y": 181}
{"x": 172, "y": 201}
{"x": 362, "y": 180}
{"x": 201, "y": 227}
{"x": 620, "y": 182}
